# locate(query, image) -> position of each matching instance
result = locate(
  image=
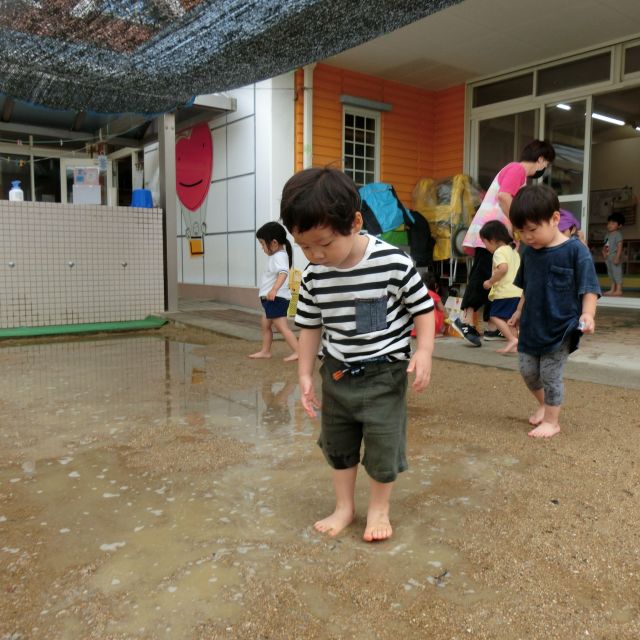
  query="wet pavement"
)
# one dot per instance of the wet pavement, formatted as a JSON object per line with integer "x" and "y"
{"x": 140, "y": 497}
{"x": 610, "y": 356}
{"x": 152, "y": 487}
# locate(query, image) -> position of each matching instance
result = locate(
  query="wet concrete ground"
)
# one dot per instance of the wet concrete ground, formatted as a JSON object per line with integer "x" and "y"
{"x": 164, "y": 486}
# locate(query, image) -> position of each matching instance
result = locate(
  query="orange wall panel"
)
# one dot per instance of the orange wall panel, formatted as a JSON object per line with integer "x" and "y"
{"x": 449, "y": 132}
{"x": 422, "y": 135}
{"x": 299, "y": 119}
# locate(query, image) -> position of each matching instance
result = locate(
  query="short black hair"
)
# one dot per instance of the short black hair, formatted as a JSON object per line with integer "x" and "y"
{"x": 535, "y": 203}
{"x": 430, "y": 280}
{"x": 495, "y": 230}
{"x": 319, "y": 197}
{"x": 537, "y": 148}
{"x": 616, "y": 217}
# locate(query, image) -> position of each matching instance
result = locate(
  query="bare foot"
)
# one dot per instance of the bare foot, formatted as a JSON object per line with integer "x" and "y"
{"x": 260, "y": 355}
{"x": 378, "y": 527}
{"x": 510, "y": 347}
{"x": 615, "y": 293}
{"x": 537, "y": 417}
{"x": 545, "y": 430}
{"x": 292, "y": 358}
{"x": 611, "y": 292}
{"x": 336, "y": 522}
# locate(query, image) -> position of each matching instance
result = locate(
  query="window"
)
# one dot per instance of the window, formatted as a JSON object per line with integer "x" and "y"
{"x": 632, "y": 59}
{"x": 517, "y": 87}
{"x": 575, "y": 73}
{"x": 15, "y": 167}
{"x": 47, "y": 179}
{"x": 360, "y": 149}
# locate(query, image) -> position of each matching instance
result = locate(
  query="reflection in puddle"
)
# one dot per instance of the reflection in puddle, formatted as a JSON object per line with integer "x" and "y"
{"x": 145, "y": 495}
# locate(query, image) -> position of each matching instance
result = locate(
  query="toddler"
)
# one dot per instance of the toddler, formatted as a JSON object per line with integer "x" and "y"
{"x": 612, "y": 253}
{"x": 558, "y": 304}
{"x": 504, "y": 295}
{"x": 274, "y": 289}
{"x": 360, "y": 296}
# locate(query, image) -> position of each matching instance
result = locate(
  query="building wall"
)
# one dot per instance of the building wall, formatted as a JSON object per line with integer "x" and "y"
{"x": 299, "y": 118}
{"x": 253, "y": 155}
{"x": 74, "y": 264}
{"x": 614, "y": 165}
{"x": 422, "y": 135}
{"x": 448, "y": 132}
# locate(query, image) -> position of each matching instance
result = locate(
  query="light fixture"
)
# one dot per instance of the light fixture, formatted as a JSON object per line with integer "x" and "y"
{"x": 563, "y": 106}
{"x": 609, "y": 119}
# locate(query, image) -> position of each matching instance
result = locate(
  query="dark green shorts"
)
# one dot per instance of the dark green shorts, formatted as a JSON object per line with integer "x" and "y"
{"x": 370, "y": 407}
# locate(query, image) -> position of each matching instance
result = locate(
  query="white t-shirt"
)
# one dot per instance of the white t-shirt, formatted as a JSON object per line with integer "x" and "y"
{"x": 277, "y": 263}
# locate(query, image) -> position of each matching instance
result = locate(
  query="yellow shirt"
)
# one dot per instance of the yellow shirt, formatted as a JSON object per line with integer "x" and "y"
{"x": 505, "y": 288}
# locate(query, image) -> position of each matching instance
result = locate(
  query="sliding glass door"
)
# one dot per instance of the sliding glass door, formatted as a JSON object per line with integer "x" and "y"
{"x": 565, "y": 126}
{"x": 500, "y": 140}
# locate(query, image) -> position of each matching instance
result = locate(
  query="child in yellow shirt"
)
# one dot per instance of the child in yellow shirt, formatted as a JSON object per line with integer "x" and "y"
{"x": 504, "y": 295}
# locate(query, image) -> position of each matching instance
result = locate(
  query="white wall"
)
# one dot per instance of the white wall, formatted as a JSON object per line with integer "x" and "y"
{"x": 617, "y": 164}
{"x": 253, "y": 156}
{"x": 73, "y": 264}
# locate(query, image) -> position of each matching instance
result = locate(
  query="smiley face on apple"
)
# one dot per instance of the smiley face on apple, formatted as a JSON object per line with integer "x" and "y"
{"x": 194, "y": 164}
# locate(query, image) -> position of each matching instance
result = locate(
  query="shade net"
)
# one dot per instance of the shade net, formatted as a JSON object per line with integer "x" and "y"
{"x": 149, "y": 56}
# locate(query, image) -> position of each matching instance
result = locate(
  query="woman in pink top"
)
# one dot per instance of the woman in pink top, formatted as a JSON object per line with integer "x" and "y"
{"x": 534, "y": 160}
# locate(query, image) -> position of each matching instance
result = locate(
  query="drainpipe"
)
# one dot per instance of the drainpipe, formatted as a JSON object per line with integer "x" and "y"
{"x": 307, "y": 118}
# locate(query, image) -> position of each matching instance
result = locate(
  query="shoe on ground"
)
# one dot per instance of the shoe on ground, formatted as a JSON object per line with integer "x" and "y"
{"x": 493, "y": 335}
{"x": 467, "y": 333}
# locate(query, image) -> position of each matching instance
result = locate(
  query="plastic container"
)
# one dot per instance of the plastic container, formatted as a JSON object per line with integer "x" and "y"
{"x": 16, "y": 193}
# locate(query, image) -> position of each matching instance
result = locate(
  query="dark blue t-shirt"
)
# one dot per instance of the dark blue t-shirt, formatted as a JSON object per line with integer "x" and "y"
{"x": 554, "y": 280}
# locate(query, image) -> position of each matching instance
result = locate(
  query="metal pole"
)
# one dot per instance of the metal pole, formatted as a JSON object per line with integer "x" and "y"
{"x": 169, "y": 205}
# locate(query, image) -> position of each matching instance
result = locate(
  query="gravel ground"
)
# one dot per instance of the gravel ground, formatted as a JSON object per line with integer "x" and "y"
{"x": 532, "y": 539}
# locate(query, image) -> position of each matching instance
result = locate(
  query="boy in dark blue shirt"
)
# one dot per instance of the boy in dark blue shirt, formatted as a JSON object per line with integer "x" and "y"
{"x": 558, "y": 305}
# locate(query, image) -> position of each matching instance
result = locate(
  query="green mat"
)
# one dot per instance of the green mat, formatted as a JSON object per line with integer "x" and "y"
{"x": 150, "y": 322}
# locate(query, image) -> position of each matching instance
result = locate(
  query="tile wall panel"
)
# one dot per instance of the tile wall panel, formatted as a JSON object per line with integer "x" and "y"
{"x": 72, "y": 264}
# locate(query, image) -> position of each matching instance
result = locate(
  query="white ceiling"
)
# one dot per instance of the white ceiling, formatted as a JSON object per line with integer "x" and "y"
{"x": 478, "y": 38}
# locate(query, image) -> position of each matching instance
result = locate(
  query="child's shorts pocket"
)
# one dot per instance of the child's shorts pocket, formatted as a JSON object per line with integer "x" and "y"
{"x": 371, "y": 315}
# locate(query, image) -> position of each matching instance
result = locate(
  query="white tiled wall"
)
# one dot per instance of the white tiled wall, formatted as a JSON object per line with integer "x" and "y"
{"x": 71, "y": 264}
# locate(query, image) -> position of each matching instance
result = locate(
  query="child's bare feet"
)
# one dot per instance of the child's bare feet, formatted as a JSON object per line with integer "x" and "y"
{"x": 378, "y": 527}
{"x": 292, "y": 358}
{"x": 260, "y": 355}
{"x": 537, "y": 417}
{"x": 510, "y": 347}
{"x": 545, "y": 430}
{"x": 336, "y": 522}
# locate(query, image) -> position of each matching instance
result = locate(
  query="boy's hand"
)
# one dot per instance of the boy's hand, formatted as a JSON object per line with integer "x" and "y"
{"x": 487, "y": 284}
{"x": 308, "y": 396}
{"x": 271, "y": 295}
{"x": 514, "y": 320}
{"x": 420, "y": 363}
{"x": 588, "y": 323}
{"x": 616, "y": 260}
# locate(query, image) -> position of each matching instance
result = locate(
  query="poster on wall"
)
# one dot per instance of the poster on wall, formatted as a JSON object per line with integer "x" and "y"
{"x": 194, "y": 167}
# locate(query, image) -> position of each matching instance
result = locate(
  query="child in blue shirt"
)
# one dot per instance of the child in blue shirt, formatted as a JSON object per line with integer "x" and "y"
{"x": 558, "y": 305}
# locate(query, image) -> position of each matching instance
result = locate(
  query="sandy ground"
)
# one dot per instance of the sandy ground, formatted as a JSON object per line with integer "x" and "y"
{"x": 535, "y": 540}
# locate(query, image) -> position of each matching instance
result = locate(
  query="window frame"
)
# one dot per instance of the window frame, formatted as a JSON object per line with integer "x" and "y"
{"x": 366, "y": 113}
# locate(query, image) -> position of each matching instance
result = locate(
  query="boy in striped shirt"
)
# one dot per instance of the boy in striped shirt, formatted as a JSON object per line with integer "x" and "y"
{"x": 360, "y": 297}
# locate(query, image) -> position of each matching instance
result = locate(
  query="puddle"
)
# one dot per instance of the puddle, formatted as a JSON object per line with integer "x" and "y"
{"x": 142, "y": 497}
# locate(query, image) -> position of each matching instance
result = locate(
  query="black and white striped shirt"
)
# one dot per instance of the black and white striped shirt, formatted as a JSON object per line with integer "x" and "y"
{"x": 383, "y": 290}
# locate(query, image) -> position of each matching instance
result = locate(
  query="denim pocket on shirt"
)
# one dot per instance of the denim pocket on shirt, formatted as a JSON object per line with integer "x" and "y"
{"x": 371, "y": 315}
{"x": 561, "y": 278}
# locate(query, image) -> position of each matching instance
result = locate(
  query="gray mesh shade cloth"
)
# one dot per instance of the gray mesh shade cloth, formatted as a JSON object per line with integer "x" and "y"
{"x": 149, "y": 56}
